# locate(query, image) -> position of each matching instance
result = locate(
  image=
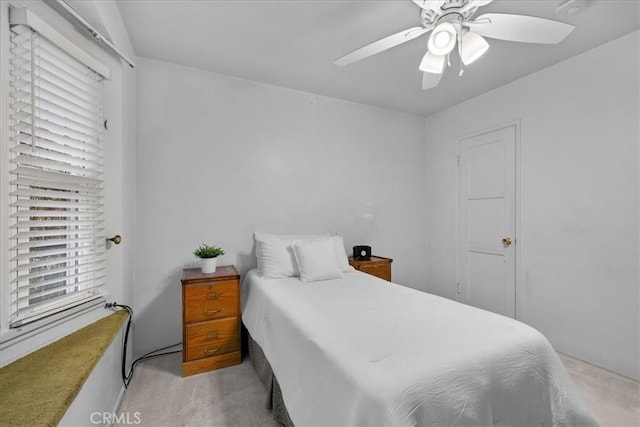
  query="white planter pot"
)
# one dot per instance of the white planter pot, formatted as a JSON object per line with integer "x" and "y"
{"x": 208, "y": 265}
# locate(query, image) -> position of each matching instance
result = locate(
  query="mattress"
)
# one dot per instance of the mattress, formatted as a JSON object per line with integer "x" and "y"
{"x": 362, "y": 351}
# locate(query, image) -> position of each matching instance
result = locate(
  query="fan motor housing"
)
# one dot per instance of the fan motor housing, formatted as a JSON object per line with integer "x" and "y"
{"x": 448, "y": 12}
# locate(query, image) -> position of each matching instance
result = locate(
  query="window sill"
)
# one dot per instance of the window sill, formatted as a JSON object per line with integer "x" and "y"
{"x": 38, "y": 388}
{"x": 15, "y": 335}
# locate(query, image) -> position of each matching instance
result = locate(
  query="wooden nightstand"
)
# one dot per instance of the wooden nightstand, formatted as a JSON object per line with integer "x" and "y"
{"x": 376, "y": 266}
{"x": 210, "y": 319}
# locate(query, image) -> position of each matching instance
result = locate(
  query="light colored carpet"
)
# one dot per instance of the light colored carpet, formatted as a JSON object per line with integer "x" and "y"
{"x": 613, "y": 399}
{"x": 231, "y": 396}
{"x": 235, "y": 396}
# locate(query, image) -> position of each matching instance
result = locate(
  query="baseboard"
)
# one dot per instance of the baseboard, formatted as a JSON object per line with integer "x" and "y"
{"x": 116, "y": 407}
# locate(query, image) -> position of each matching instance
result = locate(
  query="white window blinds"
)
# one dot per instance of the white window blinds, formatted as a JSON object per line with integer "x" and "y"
{"x": 57, "y": 240}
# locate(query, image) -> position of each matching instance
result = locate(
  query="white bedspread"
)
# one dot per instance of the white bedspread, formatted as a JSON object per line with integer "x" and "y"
{"x": 362, "y": 351}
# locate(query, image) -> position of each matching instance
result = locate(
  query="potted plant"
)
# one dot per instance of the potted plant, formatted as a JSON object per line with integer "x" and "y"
{"x": 208, "y": 257}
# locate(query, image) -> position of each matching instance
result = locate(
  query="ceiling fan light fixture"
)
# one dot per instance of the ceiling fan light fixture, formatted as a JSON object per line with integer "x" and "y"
{"x": 432, "y": 63}
{"x": 472, "y": 47}
{"x": 442, "y": 39}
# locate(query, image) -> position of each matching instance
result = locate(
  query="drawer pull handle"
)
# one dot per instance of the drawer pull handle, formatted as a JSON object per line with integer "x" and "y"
{"x": 212, "y": 335}
{"x": 212, "y": 295}
{"x": 209, "y": 351}
{"x": 211, "y": 312}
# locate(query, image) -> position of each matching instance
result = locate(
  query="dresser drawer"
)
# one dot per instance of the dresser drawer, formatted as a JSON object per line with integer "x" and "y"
{"x": 211, "y": 338}
{"x": 210, "y": 301}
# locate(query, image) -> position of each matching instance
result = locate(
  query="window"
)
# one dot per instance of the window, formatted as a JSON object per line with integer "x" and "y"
{"x": 57, "y": 244}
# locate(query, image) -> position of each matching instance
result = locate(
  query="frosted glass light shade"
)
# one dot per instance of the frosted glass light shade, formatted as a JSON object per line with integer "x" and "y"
{"x": 442, "y": 39}
{"x": 472, "y": 47}
{"x": 432, "y": 63}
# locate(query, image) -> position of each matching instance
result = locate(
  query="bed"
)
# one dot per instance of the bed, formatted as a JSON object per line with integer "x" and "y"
{"x": 357, "y": 350}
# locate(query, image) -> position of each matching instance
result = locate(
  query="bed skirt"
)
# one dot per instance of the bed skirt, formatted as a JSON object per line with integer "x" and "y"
{"x": 274, "y": 395}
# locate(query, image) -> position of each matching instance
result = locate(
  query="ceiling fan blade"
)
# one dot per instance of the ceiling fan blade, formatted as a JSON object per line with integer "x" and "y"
{"x": 480, "y": 3}
{"x": 473, "y": 3}
{"x": 430, "y": 80}
{"x": 430, "y": 4}
{"x": 382, "y": 45}
{"x": 520, "y": 28}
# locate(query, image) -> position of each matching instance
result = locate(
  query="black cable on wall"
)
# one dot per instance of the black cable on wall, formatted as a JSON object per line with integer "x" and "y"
{"x": 126, "y": 377}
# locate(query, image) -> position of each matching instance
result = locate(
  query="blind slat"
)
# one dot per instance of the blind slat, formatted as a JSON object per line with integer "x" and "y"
{"x": 59, "y": 140}
{"x": 56, "y": 156}
{"x": 56, "y": 119}
{"x": 72, "y": 113}
{"x": 49, "y": 262}
{"x": 40, "y": 162}
{"x": 55, "y": 64}
{"x": 54, "y": 223}
{"x": 52, "y": 271}
{"x": 22, "y": 87}
{"x": 51, "y": 242}
{"x": 43, "y": 175}
{"x": 41, "y": 253}
{"x": 47, "y": 70}
{"x": 40, "y": 184}
{"x": 33, "y": 213}
{"x": 56, "y": 291}
{"x": 41, "y": 72}
{"x": 46, "y": 233}
{"x": 42, "y": 192}
{"x": 69, "y": 273}
{"x": 44, "y": 94}
{"x": 55, "y": 204}
{"x": 36, "y": 311}
{"x": 32, "y": 128}
{"x": 71, "y": 64}
{"x": 60, "y": 148}
{"x": 73, "y": 279}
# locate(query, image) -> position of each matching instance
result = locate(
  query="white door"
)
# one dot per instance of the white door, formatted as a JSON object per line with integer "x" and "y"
{"x": 486, "y": 247}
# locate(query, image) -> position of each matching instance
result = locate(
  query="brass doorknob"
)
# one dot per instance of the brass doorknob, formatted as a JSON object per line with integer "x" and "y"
{"x": 506, "y": 241}
{"x": 116, "y": 239}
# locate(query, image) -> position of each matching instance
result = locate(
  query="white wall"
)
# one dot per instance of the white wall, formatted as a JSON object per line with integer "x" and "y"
{"x": 101, "y": 393}
{"x": 219, "y": 158}
{"x": 579, "y": 278}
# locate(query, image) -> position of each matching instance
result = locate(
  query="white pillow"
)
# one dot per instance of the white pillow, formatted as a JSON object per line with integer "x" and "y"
{"x": 276, "y": 258}
{"x": 275, "y": 255}
{"x": 317, "y": 259}
{"x": 276, "y": 251}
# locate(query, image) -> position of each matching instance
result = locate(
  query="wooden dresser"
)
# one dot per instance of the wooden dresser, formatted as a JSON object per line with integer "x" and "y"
{"x": 376, "y": 266}
{"x": 210, "y": 319}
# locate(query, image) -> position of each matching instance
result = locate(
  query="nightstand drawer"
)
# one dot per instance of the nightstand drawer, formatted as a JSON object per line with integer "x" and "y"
{"x": 376, "y": 266}
{"x": 211, "y": 301}
{"x": 381, "y": 270}
{"x": 211, "y": 338}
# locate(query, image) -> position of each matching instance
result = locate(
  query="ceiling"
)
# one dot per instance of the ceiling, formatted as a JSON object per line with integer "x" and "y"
{"x": 293, "y": 44}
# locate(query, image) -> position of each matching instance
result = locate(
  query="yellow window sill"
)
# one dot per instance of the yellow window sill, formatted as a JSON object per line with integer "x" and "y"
{"x": 38, "y": 388}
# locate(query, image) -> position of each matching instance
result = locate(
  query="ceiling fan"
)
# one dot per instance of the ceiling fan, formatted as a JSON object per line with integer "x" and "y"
{"x": 451, "y": 24}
